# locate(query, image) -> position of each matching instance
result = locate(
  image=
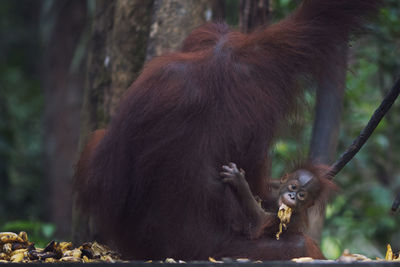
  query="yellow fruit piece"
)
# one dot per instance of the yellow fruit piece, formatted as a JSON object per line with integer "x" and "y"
{"x": 4, "y": 256}
{"x": 303, "y": 259}
{"x": 389, "y": 253}
{"x": 18, "y": 251}
{"x": 50, "y": 260}
{"x": 23, "y": 235}
{"x": 7, "y": 248}
{"x": 10, "y": 237}
{"x": 360, "y": 257}
{"x": 107, "y": 258}
{"x": 71, "y": 259}
{"x": 98, "y": 249}
{"x": 77, "y": 253}
{"x": 214, "y": 260}
{"x": 86, "y": 259}
{"x": 284, "y": 214}
{"x": 64, "y": 246}
{"x": 17, "y": 257}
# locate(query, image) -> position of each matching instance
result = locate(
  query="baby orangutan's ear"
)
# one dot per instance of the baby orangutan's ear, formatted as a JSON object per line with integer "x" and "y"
{"x": 284, "y": 178}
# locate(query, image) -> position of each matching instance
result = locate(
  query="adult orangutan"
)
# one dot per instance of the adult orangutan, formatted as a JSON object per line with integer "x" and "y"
{"x": 152, "y": 182}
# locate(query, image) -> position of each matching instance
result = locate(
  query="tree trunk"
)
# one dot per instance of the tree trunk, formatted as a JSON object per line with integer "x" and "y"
{"x": 6, "y": 137}
{"x": 116, "y": 55}
{"x": 63, "y": 83}
{"x": 252, "y": 14}
{"x": 98, "y": 77}
{"x": 218, "y": 10}
{"x": 172, "y": 21}
{"x": 326, "y": 127}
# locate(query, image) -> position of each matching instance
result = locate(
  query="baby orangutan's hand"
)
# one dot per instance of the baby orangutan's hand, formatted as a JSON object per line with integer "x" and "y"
{"x": 233, "y": 176}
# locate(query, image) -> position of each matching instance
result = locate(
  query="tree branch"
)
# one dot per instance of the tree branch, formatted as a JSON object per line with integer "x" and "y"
{"x": 396, "y": 202}
{"x": 366, "y": 132}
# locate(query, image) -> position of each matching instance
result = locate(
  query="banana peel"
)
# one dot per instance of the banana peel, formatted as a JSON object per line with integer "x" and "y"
{"x": 284, "y": 214}
{"x": 9, "y": 237}
{"x": 390, "y": 256}
{"x": 17, "y": 248}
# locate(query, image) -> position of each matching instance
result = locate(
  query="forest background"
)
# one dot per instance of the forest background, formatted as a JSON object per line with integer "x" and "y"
{"x": 65, "y": 63}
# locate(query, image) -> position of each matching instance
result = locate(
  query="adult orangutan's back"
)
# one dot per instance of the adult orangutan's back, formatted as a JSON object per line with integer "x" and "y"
{"x": 152, "y": 183}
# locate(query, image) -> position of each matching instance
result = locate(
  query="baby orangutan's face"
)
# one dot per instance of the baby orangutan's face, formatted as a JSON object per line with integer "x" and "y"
{"x": 298, "y": 190}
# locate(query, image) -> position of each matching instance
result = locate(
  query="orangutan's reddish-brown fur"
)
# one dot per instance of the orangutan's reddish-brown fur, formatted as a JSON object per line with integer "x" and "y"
{"x": 305, "y": 187}
{"x": 152, "y": 183}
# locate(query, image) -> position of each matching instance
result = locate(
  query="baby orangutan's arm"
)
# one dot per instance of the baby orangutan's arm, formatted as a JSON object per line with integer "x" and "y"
{"x": 259, "y": 218}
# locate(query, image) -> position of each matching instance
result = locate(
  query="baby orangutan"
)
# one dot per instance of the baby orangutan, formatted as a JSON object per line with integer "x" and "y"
{"x": 297, "y": 192}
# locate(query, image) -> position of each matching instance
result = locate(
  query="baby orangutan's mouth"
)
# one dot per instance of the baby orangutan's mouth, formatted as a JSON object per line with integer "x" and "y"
{"x": 288, "y": 201}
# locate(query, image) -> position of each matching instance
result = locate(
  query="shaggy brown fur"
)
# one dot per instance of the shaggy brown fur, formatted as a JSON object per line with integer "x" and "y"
{"x": 152, "y": 183}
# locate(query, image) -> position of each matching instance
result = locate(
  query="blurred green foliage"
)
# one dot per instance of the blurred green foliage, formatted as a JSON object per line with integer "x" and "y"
{"x": 358, "y": 218}
{"x": 21, "y": 107}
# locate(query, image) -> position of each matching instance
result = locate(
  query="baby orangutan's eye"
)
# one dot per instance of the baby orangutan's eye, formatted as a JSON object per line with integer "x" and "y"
{"x": 302, "y": 196}
{"x": 292, "y": 187}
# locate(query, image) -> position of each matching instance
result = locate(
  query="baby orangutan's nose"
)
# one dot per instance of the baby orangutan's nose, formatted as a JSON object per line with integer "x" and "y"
{"x": 289, "y": 199}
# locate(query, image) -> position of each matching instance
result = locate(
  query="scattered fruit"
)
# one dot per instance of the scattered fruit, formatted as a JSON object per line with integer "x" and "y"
{"x": 17, "y": 248}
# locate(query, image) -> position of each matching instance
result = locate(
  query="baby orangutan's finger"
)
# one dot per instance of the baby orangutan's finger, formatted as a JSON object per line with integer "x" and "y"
{"x": 233, "y": 165}
{"x": 227, "y": 168}
{"x": 225, "y": 174}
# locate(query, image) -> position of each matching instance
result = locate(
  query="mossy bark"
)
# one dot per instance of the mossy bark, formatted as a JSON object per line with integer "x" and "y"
{"x": 116, "y": 55}
{"x": 172, "y": 21}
